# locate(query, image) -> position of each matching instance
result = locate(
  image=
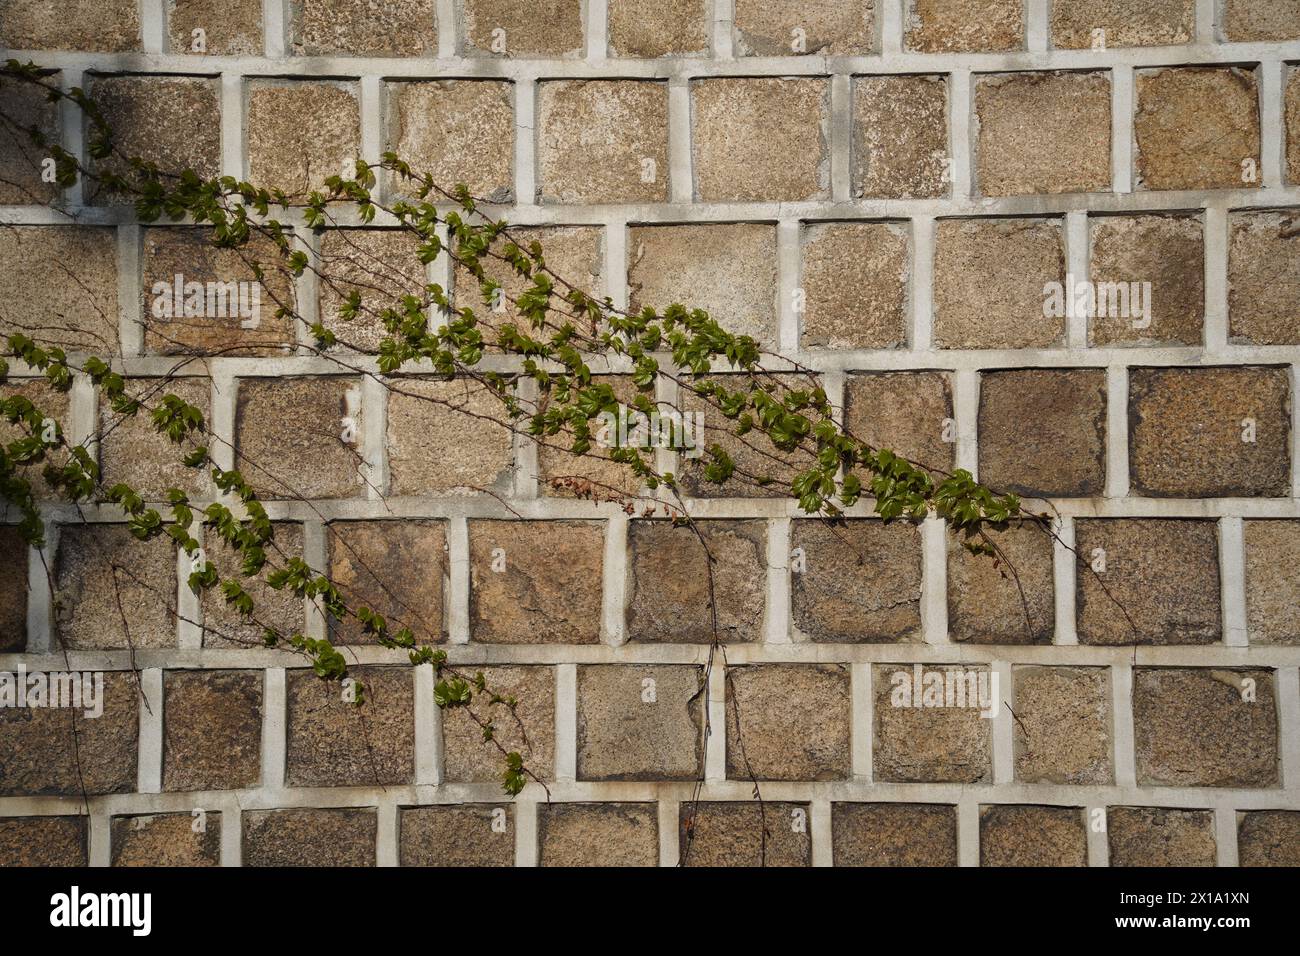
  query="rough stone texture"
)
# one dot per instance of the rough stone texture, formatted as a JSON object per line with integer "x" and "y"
{"x": 1032, "y": 836}
{"x": 113, "y": 590}
{"x": 598, "y": 834}
{"x": 333, "y": 742}
{"x": 1272, "y": 582}
{"x": 1162, "y": 575}
{"x": 1123, "y": 23}
{"x": 1194, "y": 127}
{"x": 367, "y": 261}
{"x": 594, "y": 475}
{"x": 1153, "y": 836}
{"x": 602, "y": 141}
{"x": 212, "y": 731}
{"x": 173, "y": 121}
{"x": 461, "y": 835}
{"x": 1062, "y": 734}
{"x": 859, "y": 582}
{"x": 230, "y": 27}
{"x": 169, "y": 252}
{"x": 926, "y": 744}
{"x": 989, "y": 276}
{"x": 282, "y": 609}
{"x": 43, "y": 841}
{"x": 467, "y": 760}
{"x": 1166, "y": 251}
{"x": 458, "y": 131}
{"x": 544, "y": 28}
{"x": 893, "y": 834}
{"x": 309, "y": 837}
{"x": 828, "y": 27}
{"x": 447, "y": 437}
{"x": 640, "y": 722}
{"x": 36, "y": 745}
{"x": 95, "y": 26}
{"x": 1247, "y": 20}
{"x": 53, "y": 404}
{"x": 1008, "y": 601}
{"x": 535, "y": 582}
{"x": 855, "y": 280}
{"x": 728, "y": 270}
{"x": 668, "y": 593}
{"x": 1188, "y": 431}
{"x": 20, "y": 158}
{"x": 60, "y": 283}
{"x": 290, "y": 436}
{"x": 166, "y": 839}
{"x": 731, "y": 834}
{"x": 650, "y": 28}
{"x": 1031, "y": 126}
{"x": 364, "y": 28}
{"x": 1291, "y": 122}
{"x": 760, "y": 139}
{"x": 301, "y": 132}
{"x": 131, "y": 449}
{"x": 900, "y": 137}
{"x": 1269, "y": 838}
{"x": 13, "y": 590}
{"x": 1192, "y": 727}
{"x": 963, "y": 26}
{"x": 1042, "y": 432}
{"x": 902, "y": 411}
{"x": 1264, "y": 278}
{"x": 788, "y": 722}
{"x": 399, "y": 569}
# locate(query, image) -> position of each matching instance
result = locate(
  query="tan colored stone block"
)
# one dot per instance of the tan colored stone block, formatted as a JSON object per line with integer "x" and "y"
{"x": 1032, "y": 836}
{"x": 465, "y": 835}
{"x": 963, "y": 26}
{"x": 1156, "y": 836}
{"x": 855, "y": 280}
{"x": 281, "y": 610}
{"x": 598, "y": 834}
{"x": 1166, "y": 251}
{"x": 643, "y": 722}
{"x": 60, "y": 287}
{"x": 900, "y": 137}
{"x": 1009, "y": 599}
{"x": 212, "y": 732}
{"x": 1272, "y": 582}
{"x": 893, "y": 834}
{"x": 43, "y": 841}
{"x": 166, "y": 839}
{"x": 1254, "y": 20}
{"x": 362, "y": 28}
{"x": 1062, "y": 725}
{"x": 397, "y": 568}
{"x": 447, "y": 436}
{"x": 27, "y": 106}
{"x": 904, "y": 412}
{"x": 380, "y": 265}
{"x": 56, "y": 407}
{"x": 593, "y": 475}
{"x": 1197, "y": 128}
{"x": 789, "y": 722}
{"x": 1269, "y": 838}
{"x": 826, "y": 27}
{"x": 467, "y": 759}
{"x": 1075, "y": 23}
{"x": 301, "y": 132}
{"x": 230, "y": 27}
{"x": 1264, "y": 278}
{"x": 928, "y": 744}
{"x": 13, "y": 590}
{"x": 112, "y": 590}
{"x": 309, "y": 837}
{"x": 652, "y": 28}
{"x": 133, "y": 451}
{"x": 91, "y": 26}
{"x": 732, "y": 834}
{"x": 544, "y": 28}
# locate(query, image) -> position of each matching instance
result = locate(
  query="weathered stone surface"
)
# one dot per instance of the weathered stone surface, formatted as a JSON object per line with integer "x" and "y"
{"x": 468, "y": 760}
{"x": 380, "y": 265}
{"x": 166, "y": 839}
{"x": 230, "y": 27}
{"x": 989, "y": 277}
{"x": 598, "y": 834}
{"x": 60, "y": 285}
{"x": 731, "y": 834}
{"x": 470, "y": 834}
{"x": 1291, "y": 122}
{"x": 93, "y": 26}
{"x": 1007, "y": 601}
{"x": 113, "y": 590}
{"x": 1032, "y": 836}
{"x": 1247, "y": 20}
{"x": 300, "y": 436}
{"x": 301, "y": 132}
{"x": 893, "y": 834}
{"x": 1272, "y": 582}
{"x": 593, "y": 475}
{"x": 13, "y": 590}
{"x": 545, "y": 28}
{"x": 927, "y": 744}
{"x": 1269, "y": 838}
{"x": 669, "y": 590}
{"x": 447, "y": 437}
{"x": 362, "y": 28}
{"x": 20, "y": 158}
{"x": 1160, "y": 584}
{"x": 963, "y": 26}
{"x": 760, "y": 139}
{"x": 789, "y": 722}
{"x": 331, "y": 741}
{"x": 1062, "y": 730}
{"x": 309, "y": 837}
{"x": 399, "y": 569}
{"x": 212, "y": 732}
{"x": 1202, "y": 432}
{"x": 641, "y": 722}
{"x": 458, "y": 131}
{"x": 728, "y": 270}
{"x": 1075, "y": 23}
{"x": 602, "y": 141}
{"x": 855, "y": 281}
{"x": 132, "y": 450}
{"x": 43, "y": 841}
{"x": 1195, "y": 727}
{"x": 283, "y": 609}
{"x": 827, "y": 27}
{"x": 535, "y": 582}
{"x": 38, "y": 754}
{"x": 904, "y": 412}
{"x": 1197, "y": 128}
{"x": 1042, "y": 432}
{"x": 1156, "y": 836}
{"x": 1264, "y": 278}
{"x": 857, "y": 582}
{"x": 1166, "y": 251}
{"x": 56, "y": 407}
{"x": 651, "y": 28}
{"x": 1031, "y": 126}
{"x": 900, "y": 137}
